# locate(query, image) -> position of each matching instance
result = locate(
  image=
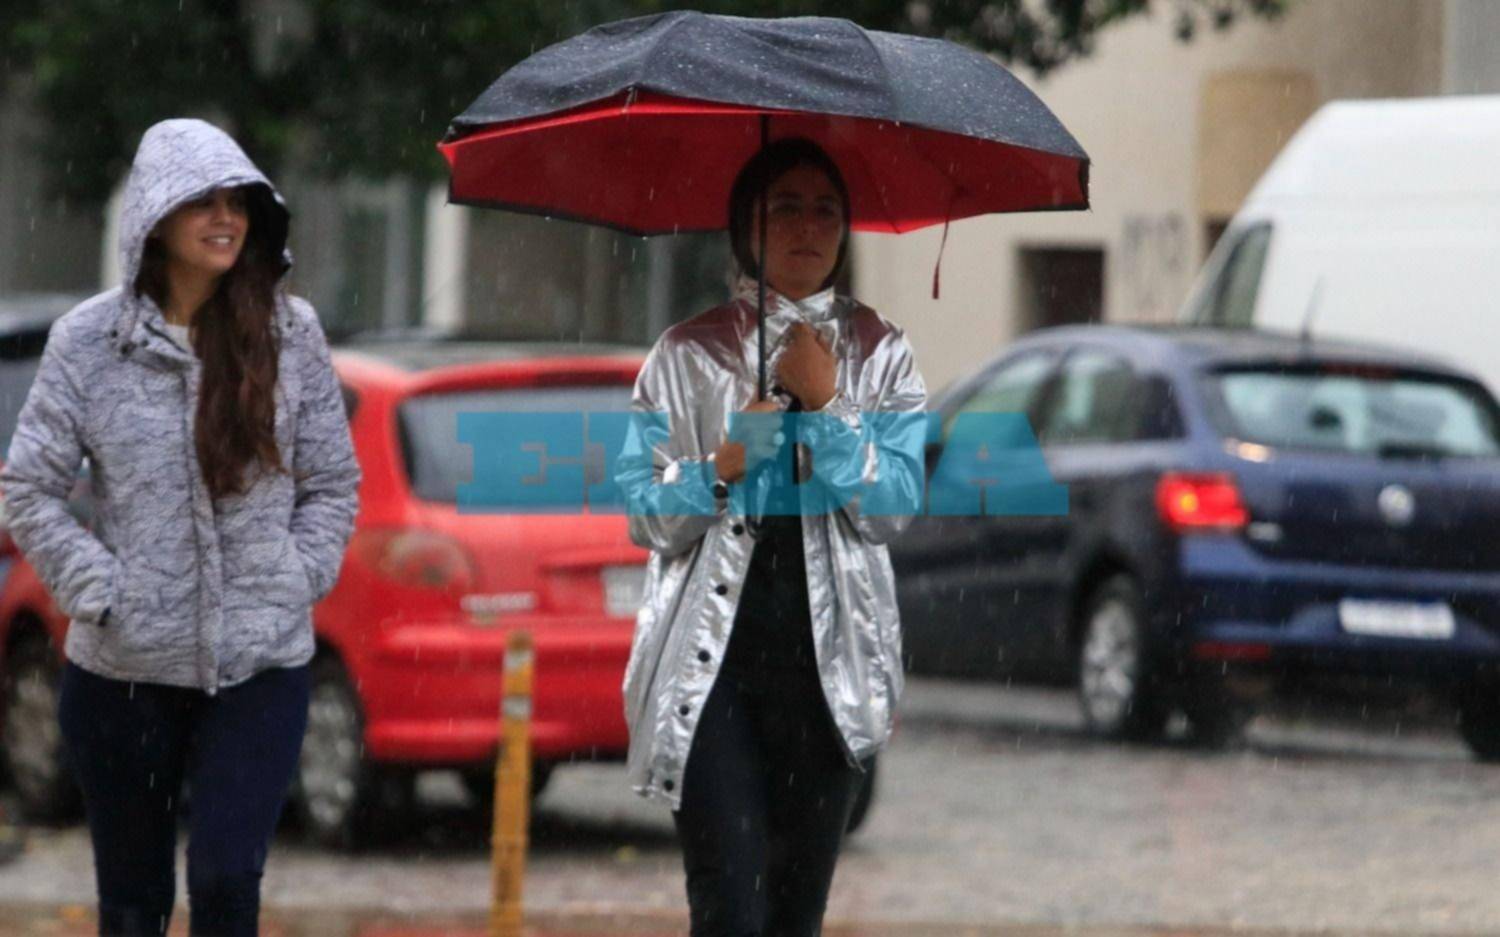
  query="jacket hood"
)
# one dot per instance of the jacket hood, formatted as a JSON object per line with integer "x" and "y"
{"x": 183, "y": 159}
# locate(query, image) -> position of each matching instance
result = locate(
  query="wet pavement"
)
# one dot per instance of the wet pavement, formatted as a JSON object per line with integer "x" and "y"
{"x": 996, "y": 815}
{"x": 77, "y": 921}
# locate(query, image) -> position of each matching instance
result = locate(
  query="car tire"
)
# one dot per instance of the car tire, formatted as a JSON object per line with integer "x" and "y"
{"x": 1216, "y": 717}
{"x": 480, "y": 783}
{"x": 34, "y": 751}
{"x": 342, "y": 799}
{"x": 1117, "y": 689}
{"x": 1479, "y": 721}
{"x": 860, "y": 811}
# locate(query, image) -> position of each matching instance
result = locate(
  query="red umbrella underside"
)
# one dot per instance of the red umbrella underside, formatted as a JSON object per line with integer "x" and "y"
{"x": 669, "y": 163}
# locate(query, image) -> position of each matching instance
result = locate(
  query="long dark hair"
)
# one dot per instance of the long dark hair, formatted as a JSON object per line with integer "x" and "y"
{"x": 234, "y": 336}
{"x": 773, "y": 161}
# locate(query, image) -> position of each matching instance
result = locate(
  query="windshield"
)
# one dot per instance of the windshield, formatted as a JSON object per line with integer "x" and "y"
{"x": 437, "y": 463}
{"x": 1361, "y": 411}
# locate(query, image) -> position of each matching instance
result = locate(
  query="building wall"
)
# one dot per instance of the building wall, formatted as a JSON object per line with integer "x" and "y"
{"x": 1136, "y": 106}
{"x": 1471, "y": 63}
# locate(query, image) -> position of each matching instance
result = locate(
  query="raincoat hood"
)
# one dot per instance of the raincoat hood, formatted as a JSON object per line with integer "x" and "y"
{"x": 183, "y": 159}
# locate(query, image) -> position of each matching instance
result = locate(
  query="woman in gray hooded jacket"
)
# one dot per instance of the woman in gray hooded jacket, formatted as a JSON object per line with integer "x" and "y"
{"x": 203, "y": 399}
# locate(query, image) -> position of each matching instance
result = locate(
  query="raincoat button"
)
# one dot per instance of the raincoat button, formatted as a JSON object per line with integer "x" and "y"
{"x": 738, "y": 529}
{"x": 684, "y": 709}
{"x": 668, "y": 786}
{"x": 721, "y": 589}
{"x": 703, "y": 657}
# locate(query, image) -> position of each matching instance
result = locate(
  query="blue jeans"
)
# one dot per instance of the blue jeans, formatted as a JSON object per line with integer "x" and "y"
{"x": 133, "y": 744}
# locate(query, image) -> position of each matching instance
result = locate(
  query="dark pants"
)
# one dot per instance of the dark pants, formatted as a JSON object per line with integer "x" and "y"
{"x": 133, "y": 744}
{"x": 765, "y": 800}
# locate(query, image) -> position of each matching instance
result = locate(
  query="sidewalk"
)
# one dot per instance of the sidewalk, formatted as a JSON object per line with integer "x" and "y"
{"x": 78, "y": 921}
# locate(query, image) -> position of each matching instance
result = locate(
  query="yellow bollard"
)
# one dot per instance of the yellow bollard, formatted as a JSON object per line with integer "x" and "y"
{"x": 512, "y": 789}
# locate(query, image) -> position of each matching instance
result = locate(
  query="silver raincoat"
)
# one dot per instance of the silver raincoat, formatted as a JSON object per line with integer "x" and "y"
{"x": 700, "y": 372}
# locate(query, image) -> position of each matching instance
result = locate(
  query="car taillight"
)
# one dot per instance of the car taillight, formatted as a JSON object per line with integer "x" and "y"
{"x": 420, "y": 559}
{"x": 1200, "y": 502}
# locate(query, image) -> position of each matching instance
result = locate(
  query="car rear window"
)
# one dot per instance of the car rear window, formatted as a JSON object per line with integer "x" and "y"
{"x": 437, "y": 463}
{"x": 1355, "y": 409}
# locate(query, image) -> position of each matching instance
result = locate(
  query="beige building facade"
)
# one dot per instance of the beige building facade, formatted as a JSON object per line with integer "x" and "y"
{"x": 1178, "y": 134}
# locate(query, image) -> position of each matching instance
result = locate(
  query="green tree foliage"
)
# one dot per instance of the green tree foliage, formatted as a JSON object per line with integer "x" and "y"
{"x": 365, "y": 87}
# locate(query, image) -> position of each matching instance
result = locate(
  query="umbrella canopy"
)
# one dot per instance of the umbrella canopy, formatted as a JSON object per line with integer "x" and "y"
{"x": 642, "y": 125}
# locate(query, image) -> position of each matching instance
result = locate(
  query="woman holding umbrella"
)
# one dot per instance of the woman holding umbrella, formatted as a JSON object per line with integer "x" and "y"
{"x": 766, "y": 662}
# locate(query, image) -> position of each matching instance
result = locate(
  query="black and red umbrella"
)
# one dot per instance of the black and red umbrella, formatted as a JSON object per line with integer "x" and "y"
{"x": 642, "y": 125}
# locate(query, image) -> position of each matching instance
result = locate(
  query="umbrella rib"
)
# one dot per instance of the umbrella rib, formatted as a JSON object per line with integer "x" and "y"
{"x": 885, "y": 203}
{"x": 650, "y": 57}
{"x": 553, "y": 214}
{"x": 879, "y": 57}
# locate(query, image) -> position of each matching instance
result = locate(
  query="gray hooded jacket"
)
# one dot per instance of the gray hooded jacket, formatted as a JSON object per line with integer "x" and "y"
{"x": 201, "y": 592}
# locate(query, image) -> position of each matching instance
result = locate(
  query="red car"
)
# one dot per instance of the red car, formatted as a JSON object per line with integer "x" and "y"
{"x": 411, "y": 640}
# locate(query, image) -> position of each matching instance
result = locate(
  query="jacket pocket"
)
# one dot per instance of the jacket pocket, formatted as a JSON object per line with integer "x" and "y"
{"x": 140, "y": 620}
{"x": 294, "y": 585}
{"x": 114, "y": 604}
{"x": 270, "y": 577}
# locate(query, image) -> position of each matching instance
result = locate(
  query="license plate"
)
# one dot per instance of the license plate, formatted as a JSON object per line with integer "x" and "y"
{"x": 624, "y": 590}
{"x": 1426, "y": 621}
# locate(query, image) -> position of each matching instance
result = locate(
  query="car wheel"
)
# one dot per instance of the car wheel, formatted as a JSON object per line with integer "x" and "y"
{"x": 1479, "y": 721}
{"x": 33, "y": 742}
{"x": 1216, "y": 717}
{"x": 1117, "y": 691}
{"x": 862, "y": 800}
{"x": 342, "y": 799}
{"x": 480, "y": 782}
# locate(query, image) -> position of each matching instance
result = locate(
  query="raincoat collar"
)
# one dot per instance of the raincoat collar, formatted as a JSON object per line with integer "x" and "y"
{"x": 819, "y": 307}
{"x": 180, "y": 160}
{"x": 149, "y": 338}
{"x": 823, "y": 311}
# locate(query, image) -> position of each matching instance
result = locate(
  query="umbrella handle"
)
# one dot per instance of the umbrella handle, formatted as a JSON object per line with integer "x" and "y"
{"x": 760, "y": 302}
{"x": 754, "y": 520}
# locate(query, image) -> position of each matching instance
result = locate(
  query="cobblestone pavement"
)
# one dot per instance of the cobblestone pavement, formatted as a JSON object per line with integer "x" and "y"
{"x": 995, "y": 815}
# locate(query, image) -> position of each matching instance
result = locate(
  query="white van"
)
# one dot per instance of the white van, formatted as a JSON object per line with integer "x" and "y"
{"x": 1380, "y": 220}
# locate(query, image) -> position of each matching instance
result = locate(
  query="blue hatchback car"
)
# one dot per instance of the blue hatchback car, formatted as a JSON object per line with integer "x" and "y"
{"x": 1240, "y": 505}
